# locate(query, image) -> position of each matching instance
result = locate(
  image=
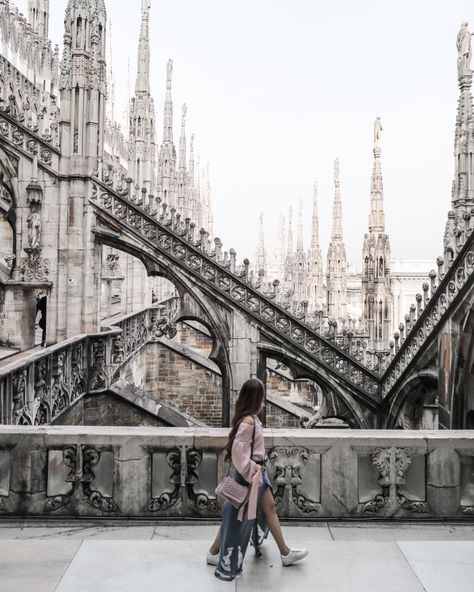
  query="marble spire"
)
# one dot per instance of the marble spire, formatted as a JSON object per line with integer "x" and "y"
{"x": 376, "y": 256}
{"x": 337, "y": 205}
{"x": 300, "y": 235}
{"x": 110, "y": 112}
{"x": 463, "y": 185}
{"x": 377, "y": 216}
{"x": 336, "y": 275}
{"x": 143, "y": 70}
{"x": 289, "y": 244}
{"x": 260, "y": 255}
{"x": 315, "y": 288}
{"x": 168, "y": 111}
{"x": 142, "y": 147}
{"x": 182, "y": 141}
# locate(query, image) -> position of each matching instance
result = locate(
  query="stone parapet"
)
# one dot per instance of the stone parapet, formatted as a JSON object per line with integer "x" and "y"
{"x": 167, "y": 473}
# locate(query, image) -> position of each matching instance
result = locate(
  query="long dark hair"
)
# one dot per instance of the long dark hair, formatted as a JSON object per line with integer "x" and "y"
{"x": 248, "y": 402}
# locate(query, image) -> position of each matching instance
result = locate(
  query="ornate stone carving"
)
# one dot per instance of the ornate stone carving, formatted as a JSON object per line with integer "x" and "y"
{"x": 33, "y": 267}
{"x": 60, "y": 397}
{"x": 392, "y": 464}
{"x": 19, "y": 396}
{"x": 80, "y": 462}
{"x": 184, "y": 461}
{"x": 99, "y": 372}
{"x": 112, "y": 268}
{"x": 288, "y": 462}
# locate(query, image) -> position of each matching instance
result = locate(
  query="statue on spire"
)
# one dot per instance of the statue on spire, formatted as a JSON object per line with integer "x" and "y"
{"x": 183, "y": 115}
{"x": 463, "y": 44}
{"x": 378, "y": 129}
{"x": 169, "y": 72}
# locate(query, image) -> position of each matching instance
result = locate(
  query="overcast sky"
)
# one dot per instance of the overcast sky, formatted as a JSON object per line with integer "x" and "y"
{"x": 277, "y": 89}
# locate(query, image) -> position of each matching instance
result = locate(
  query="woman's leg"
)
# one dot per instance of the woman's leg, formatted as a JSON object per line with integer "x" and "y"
{"x": 273, "y": 522}
{"x": 216, "y": 545}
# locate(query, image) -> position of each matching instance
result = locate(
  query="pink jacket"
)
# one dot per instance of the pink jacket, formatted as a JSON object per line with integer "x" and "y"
{"x": 250, "y": 470}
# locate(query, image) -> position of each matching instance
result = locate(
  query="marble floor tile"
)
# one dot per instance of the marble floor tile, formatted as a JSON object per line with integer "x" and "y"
{"x": 94, "y": 532}
{"x": 313, "y": 532}
{"x": 442, "y": 566}
{"x": 332, "y": 567}
{"x": 7, "y": 533}
{"x": 183, "y": 533}
{"x": 34, "y": 566}
{"x": 142, "y": 566}
{"x": 401, "y": 532}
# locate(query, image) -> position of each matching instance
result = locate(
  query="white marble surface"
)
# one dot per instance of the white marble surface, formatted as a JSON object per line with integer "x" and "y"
{"x": 34, "y": 566}
{"x": 401, "y": 532}
{"x": 144, "y": 566}
{"x": 157, "y": 557}
{"x": 442, "y": 566}
{"x": 332, "y": 567}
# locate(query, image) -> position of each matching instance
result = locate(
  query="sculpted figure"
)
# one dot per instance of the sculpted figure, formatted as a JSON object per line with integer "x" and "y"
{"x": 34, "y": 230}
{"x": 463, "y": 44}
{"x": 377, "y": 132}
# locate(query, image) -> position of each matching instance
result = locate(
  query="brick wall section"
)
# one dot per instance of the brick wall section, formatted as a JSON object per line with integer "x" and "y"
{"x": 300, "y": 392}
{"x": 185, "y": 384}
{"x": 279, "y": 418}
{"x": 195, "y": 337}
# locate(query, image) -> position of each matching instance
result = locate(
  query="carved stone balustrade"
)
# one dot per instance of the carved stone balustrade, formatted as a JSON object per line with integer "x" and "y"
{"x": 37, "y": 389}
{"x": 161, "y": 473}
{"x": 449, "y": 294}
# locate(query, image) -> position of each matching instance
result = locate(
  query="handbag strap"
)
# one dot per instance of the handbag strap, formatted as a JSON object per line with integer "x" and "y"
{"x": 253, "y": 437}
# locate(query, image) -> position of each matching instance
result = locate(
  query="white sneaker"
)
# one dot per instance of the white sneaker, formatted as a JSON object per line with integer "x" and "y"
{"x": 293, "y": 556}
{"x": 212, "y": 559}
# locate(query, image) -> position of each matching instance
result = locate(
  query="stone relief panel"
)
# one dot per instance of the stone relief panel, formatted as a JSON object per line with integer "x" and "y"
{"x": 296, "y": 475}
{"x": 80, "y": 474}
{"x": 392, "y": 480}
{"x": 5, "y": 470}
{"x": 183, "y": 478}
{"x": 467, "y": 484}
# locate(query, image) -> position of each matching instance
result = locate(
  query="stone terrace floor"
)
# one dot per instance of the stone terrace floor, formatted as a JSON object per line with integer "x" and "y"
{"x": 344, "y": 557}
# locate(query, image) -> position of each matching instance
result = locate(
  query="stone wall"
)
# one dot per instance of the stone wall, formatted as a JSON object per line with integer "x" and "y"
{"x": 104, "y": 409}
{"x": 276, "y": 417}
{"x": 172, "y": 373}
{"x": 167, "y": 473}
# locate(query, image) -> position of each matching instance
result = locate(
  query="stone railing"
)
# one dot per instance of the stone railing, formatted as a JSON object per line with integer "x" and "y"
{"x": 39, "y": 387}
{"x": 432, "y": 309}
{"x": 172, "y": 472}
{"x": 151, "y": 221}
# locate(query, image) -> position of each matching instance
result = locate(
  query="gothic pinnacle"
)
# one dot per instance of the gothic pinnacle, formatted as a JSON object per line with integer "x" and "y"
{"x": 143, "y": 70}
{"x": 168, "y": 114}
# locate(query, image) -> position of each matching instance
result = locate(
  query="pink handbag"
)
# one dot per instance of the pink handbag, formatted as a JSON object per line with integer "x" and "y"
{"x": 229, "y": 490}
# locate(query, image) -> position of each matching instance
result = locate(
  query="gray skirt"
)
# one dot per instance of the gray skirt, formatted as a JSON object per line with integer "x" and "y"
{"x": 235, "y": 535}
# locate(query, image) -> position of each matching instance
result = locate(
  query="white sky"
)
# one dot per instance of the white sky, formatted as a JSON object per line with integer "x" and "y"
{"x": 276, "y": 89}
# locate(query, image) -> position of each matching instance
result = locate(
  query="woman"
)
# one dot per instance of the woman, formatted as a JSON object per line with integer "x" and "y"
{"x": 246, "y": 449}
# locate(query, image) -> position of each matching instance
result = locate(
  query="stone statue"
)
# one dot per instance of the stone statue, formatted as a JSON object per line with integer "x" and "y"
{"x": 79, "y": 34}
{"x": 34, "y": 230}
{"x": 463, "y": 44}
{"x": 378, "y": 129}
{"x": 183, "y": 115}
